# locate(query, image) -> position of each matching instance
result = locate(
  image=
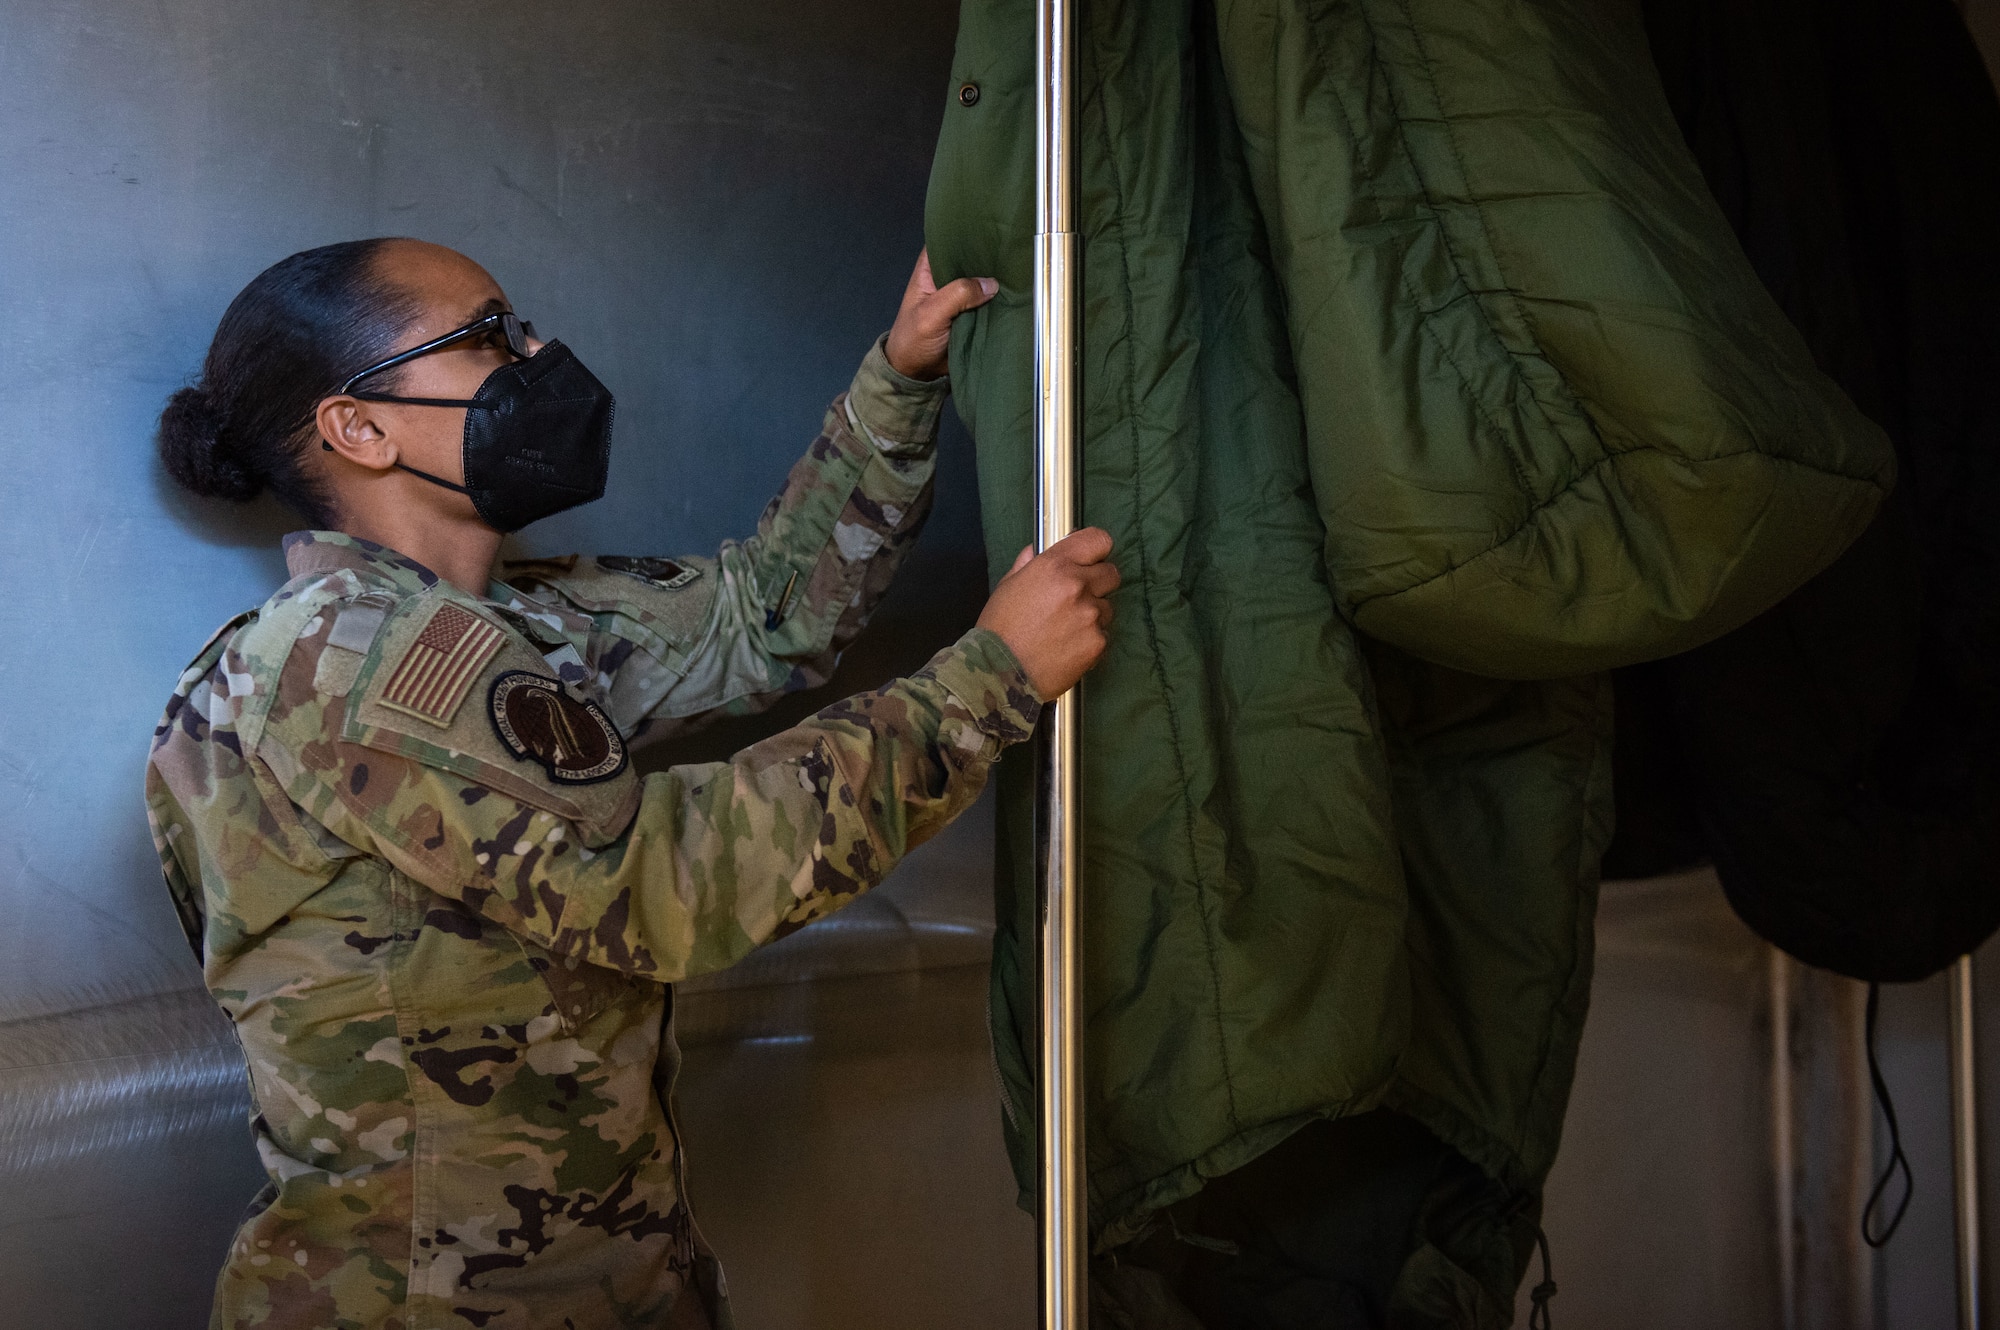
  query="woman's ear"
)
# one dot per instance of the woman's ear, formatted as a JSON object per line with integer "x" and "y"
{"x": 349, "y": 426}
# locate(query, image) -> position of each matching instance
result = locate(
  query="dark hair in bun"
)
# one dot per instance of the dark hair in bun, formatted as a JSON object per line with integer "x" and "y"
{"x": 296, "y": 333}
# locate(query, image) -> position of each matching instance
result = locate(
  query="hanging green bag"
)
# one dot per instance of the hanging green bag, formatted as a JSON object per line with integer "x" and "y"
{"x": 1556, "y": 424}
{"x": 1300, "y": 903}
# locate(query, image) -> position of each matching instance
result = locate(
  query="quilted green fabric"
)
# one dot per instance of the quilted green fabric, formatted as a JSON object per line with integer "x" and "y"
{"x": 1422, "y": 381}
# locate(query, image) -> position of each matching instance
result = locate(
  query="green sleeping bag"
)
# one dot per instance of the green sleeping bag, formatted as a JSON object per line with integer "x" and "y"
{"x": 1556, "y": 423}
{"x": 1405, "y": 320}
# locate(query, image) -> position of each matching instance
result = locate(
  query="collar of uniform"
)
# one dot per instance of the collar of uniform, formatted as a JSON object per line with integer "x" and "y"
{"x": 327, "y": 551}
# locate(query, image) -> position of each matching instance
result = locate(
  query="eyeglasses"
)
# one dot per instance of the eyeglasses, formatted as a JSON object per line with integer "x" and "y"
{"x": 503, "y": 329}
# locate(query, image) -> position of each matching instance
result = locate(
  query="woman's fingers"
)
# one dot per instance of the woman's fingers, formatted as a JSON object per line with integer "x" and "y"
{"x": 922, "y": 283}
{"x": 1086, "y": 545}
{"x": 1051, "y": 610}
{"x": 954, "y": 298}
{"x": 931, "y": 319}
{"x": 920, "y": 341}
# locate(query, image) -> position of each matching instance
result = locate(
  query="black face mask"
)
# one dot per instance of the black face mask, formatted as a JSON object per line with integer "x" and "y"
{"x": 537, "y": 438}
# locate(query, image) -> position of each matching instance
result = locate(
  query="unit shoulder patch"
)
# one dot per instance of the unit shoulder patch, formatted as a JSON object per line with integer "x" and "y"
{"x": 537, "y": 719}
{"x": 471, "y": 746}
{"x": 437, "y": 668}
{"x": 667, "y": 574}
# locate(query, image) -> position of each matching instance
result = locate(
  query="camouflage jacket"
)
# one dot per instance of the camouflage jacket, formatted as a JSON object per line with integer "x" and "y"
{"x": 443, "y": 910}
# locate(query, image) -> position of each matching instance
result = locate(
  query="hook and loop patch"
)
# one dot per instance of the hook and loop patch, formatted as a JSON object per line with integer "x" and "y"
{"x": 667, "y": 574}
{"x": 536, "y": 718}
{"x": 437, "y": 669}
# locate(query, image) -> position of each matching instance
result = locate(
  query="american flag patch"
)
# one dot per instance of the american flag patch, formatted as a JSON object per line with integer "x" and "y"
{"x": 441, "y": 664}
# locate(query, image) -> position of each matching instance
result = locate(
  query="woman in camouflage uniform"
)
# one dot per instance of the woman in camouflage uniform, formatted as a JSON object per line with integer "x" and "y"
{"x": 395, "y": 810}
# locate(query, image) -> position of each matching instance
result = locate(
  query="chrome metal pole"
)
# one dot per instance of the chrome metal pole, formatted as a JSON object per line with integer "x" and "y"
{"x": 1065, "y": 1238}
{"x": 1965, "y": 1142}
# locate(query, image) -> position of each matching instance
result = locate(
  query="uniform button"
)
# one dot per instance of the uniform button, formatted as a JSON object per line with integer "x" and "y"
{"x": 968, "y": 94}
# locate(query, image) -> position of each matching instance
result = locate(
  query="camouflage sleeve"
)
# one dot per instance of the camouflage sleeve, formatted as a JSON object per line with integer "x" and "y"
{"x": 714, "y": 860}
{"x": 674, "y": 642}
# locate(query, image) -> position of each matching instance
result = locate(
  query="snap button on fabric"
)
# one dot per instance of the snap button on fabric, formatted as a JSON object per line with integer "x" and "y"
{"x": 968, "y": 94}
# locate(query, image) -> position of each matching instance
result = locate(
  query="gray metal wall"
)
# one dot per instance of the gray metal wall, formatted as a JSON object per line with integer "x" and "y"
{"x": 1661, "y": 1210}
{"x": 716, "y": 204}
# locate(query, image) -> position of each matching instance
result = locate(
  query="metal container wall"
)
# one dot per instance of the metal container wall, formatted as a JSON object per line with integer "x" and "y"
{"x": 715, "y": 204}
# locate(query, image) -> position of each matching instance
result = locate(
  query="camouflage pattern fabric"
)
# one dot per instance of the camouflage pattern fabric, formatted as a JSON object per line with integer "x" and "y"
{"x": 448, "y": 963}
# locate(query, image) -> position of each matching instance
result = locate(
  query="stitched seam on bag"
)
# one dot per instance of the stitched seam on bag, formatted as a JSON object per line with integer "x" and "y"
{"x": 1497, "y": 547}
{"x": 1486, "y": 229}
{"x": 1582, "y": 922}
{"x": 1582, "y": 403}
{"x": 1139, "y": 471}
{"x": 1426, "y": 317}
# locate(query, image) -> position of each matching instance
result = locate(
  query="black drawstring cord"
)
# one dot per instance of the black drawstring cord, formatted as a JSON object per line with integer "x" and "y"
{"x": 1897, "y": 1159}
{"x": 1539, "y": 1295}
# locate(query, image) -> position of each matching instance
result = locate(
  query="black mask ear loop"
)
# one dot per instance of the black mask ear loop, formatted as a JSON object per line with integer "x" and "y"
{"x": 420, "y": 475}
{"x": 466, "y": 402}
